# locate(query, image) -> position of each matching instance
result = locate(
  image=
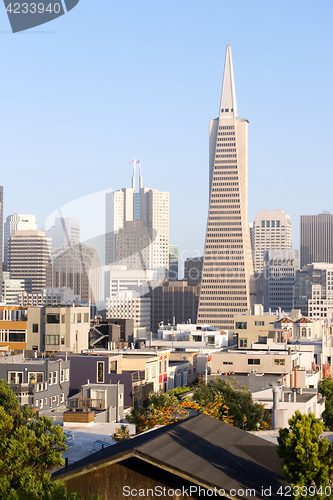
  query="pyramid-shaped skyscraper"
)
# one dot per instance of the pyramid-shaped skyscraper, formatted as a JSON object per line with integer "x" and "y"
{"x": 227, "y": 267}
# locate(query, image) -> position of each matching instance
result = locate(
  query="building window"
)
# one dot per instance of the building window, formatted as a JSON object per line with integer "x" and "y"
{"x": 50, "y": 378}
{"x": 165, "y": 366}
{"x": 41, "y": 404}
{"x": 72, "y": 318}
{"x": 55, "y": 377}
{"x": 62, "y": 318}
{"x": 254, "y": 361}
{"x": 241, "y": 325}
{"x": 35, "y": 378}
{"x": 62, "y": 398}
{"x": 45, "y": 401}
{"x": 67, "y": 375}
{"x": 62, "y": 339}
{"x": 303, "y": 332}
{"x": 242, "y": 342}
{"x": 153, "y": 372}
{"x": 100, "y": 372}
{"x": 53, "y": 318}
{"x": 259, "y": 323}
{"x": 113, "y": 366}
{"x": 35, "y": 328}
{"x": 15, "y": 377}
{"x": 279, "y": 361}
{"x": 160, "y": 367}
{"x": 86, "y": 317}
{"x": 62, "y": 376}
{"x": 78, "y": 317}
{"x": 52, "y": 339}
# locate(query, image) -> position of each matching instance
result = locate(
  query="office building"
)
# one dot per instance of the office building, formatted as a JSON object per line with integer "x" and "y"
{"x": 58, "y": 328}
{"x": 121, "y": 279}
{"x": 173, "y": 273}
{"x": 271, "y": 230}
{"x": 227, "y": 268}
{"x": 76, "y": 266}
{"x": 12, "y": 288}
{"x": 314, "y": 291}
{"x": 173, "y": 302}
{"x": 137, "y": 227}
{"x": 65, "y": 229}
{"x": 193, "y": 270}
{"x": 28, "y": 255}
{"x": 17, "y": 222}
{"x": 280, "y": 268}
{"x": 128, "y": 305}
{"x": 316, "y": 235}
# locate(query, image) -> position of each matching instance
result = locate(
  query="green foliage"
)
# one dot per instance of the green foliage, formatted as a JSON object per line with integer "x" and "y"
{"x": 326, "y": 389}
{"x": 307, "y": 459}
{"x": 244, "y": 413}
{"x": 121, "y": 434}
{"x": 29, "y": 448}
{"x": 180, "y": 390}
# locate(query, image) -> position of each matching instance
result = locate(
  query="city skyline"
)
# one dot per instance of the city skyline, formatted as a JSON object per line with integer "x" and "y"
{"x": 52, "y": 133}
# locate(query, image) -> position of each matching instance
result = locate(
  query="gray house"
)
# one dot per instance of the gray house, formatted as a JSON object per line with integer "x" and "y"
{"x": 37, "y": 382}
{"x": 106, "y": 400}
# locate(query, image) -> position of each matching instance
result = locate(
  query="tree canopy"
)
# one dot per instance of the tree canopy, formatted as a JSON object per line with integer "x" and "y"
{"x": 307, "y": 459}
{"x": 30, "y": 448}
{"x": 218, "y": 399}
{"x": 326, "y": 389}
{"x": 243, "y": 412}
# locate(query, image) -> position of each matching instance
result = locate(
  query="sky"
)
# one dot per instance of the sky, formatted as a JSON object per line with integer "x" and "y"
{"x": 109, "y": 81}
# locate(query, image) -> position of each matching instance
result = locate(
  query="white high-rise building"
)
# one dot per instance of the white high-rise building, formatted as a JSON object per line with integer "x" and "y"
{"x": 137, "y": 227}
{"x": 65, "y": 229}
{"x": 272, "y": 230}
{"x": 17, "y": 222}
{"x": 227, "y": 266}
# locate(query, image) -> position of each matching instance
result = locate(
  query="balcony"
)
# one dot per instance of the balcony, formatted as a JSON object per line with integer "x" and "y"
{"x": 87, "y": 403}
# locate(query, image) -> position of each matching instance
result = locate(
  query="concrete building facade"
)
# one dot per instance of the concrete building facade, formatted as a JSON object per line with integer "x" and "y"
{"x": 17, "y": 222}
{"x": 316, "y": 238}
{"x": 65, "y": 229}
{"x": 280, "y": 268}
{"x": 272, "y": 230}
{"x": 227, "y": 268}
{"x": 76, "y": 266}
{"x": 148, "y": 246}
{"x": 28, "y": 255}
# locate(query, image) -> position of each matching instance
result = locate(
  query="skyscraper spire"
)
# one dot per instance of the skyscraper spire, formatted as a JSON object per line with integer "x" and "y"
{"x": 228, "y": 108}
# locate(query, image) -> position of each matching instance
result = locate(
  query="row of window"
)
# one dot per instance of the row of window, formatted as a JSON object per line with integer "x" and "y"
{"x": 54, "y": 401}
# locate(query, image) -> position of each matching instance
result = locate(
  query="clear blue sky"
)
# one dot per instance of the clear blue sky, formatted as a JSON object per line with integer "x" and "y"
{"x": 112, "y": 81}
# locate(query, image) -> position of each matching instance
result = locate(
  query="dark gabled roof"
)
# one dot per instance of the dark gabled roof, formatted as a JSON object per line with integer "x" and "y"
{"x": 201, "y": 449}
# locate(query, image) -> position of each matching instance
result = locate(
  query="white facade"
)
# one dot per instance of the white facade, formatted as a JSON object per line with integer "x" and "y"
{"x": 17, "y": 222}
{"x": 65, "y": 229}
{"x": 189, "y": 336}
{"x": 147, "y": 205}
{"x": 127, "y": 305}
{"x": 272, "y": 229}
{"x": 120, "y": 279}
{"x": 320, "y": 306}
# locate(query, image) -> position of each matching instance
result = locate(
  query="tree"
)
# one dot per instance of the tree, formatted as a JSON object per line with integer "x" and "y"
{"x": 243, "y": 412}
{"x": 121, "y": 434}
{"x": 307, "y": 459}
{"x": 165, "y": 408}
{"x": 326, "y": 389}
{"x": 29, "y": 448}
